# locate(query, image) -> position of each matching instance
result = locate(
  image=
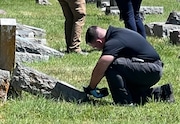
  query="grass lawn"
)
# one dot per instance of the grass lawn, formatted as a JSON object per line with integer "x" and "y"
{"x": 76, "y": 70}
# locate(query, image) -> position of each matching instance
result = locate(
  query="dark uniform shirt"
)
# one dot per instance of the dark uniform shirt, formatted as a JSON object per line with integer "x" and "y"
{"x": 121, "y": 42}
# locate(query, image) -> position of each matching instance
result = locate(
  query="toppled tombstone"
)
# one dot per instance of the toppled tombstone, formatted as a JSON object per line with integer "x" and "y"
{"x": 31, "y": 45}
{"x": 24, "y": 45}
{"x": 37, "y": 83}
{"x": 31, "y": 33}
{"x": 174, "y": 18}
{"x": 4, "y": 85}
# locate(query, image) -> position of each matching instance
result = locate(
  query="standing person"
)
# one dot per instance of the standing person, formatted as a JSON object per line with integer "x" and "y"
{"x": 129, "y": 10}
{"x": 130, "y": 64}
{"x": 74, "y": 12}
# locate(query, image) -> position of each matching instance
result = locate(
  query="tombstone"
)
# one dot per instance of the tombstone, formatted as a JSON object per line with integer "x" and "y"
{"x": 175, "y": 37}
{"x": 174, "y": 18}
{"x": 113, "y": 3}
{"x": 38, "y": 83}
{"x": 163, "y": 30}
{"x": 7, "y": 43}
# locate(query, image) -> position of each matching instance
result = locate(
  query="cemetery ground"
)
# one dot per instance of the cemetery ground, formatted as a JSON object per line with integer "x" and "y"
{"x": 76, "y": 70}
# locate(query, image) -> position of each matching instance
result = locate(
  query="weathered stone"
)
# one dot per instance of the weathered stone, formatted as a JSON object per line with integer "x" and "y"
{"x": 4, "y": 74}
{"x": 35, "y": 82}
{"x": 25, "y": 33}
{"x": 163, "y": 30}
{"x": 152, "y": 9}
{"x": 36, "y": 40}
{"x": 31, "y": 45}
{"x": 4, "y": 84}
{"x": 7, "y": 43}
{"x": 149, "y": 28}
{"x": 102, "y": 3}
{"x": 113, "y": 3}
{"x": 30, "y": 57}
{"x": 175, "y": 37}
{"x": 143, "y": 10}
{"x": 43, "y": 2}
{"x": 174, "y": 18}
{"x": 23, "y": 45}
{"x": 30, "y": 31}
{"x": 112, "y": 10}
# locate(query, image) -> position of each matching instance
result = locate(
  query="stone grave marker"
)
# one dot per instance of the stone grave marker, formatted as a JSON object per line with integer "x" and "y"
{"x": 38, "y": 83}
{"x": 7, "y": 43}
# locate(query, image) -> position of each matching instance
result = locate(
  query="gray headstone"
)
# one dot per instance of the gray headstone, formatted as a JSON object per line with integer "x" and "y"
{"x": 35, "y": 82}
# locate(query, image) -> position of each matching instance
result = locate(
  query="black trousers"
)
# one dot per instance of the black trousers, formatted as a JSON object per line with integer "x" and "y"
{"x": 130, "y": 81}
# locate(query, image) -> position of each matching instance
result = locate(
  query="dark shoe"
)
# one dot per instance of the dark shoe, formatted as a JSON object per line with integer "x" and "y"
{"x": 167, "y": 93}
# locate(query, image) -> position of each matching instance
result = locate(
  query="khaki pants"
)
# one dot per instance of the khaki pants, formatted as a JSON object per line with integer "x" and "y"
{"x": 74, "y": 12}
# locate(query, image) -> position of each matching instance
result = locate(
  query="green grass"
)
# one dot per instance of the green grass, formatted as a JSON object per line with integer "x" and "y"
{"x": 76, "y": 70}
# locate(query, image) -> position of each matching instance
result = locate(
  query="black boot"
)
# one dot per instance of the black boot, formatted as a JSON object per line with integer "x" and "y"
{"x": 161, "y": 93}
{"x": 167, "y": 93}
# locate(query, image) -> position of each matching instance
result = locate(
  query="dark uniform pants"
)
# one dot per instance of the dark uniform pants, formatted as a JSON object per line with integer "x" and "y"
{"x": 130, "y": 80}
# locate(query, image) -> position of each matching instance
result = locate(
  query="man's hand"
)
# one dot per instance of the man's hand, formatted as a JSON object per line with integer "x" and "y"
{"x": 98, "y": 93}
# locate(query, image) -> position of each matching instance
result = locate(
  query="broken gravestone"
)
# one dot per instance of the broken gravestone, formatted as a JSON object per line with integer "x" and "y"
{"x": 37, "y": 83}
{"x": 31, "y": 45}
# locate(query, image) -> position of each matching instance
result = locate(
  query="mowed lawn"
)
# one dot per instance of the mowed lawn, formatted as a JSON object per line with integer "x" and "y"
{"x": 76, "y": 70}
